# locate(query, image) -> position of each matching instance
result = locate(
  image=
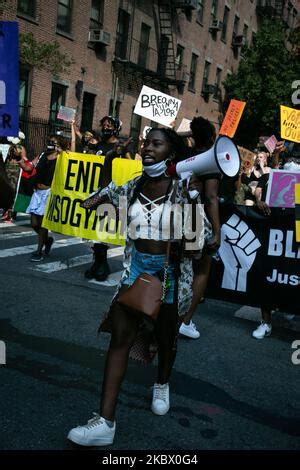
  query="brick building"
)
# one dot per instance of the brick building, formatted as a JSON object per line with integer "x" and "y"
{"x": 183, "y": 47}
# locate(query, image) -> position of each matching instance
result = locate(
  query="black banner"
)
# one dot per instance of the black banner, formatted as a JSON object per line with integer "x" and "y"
{"x": 258, "y": 262}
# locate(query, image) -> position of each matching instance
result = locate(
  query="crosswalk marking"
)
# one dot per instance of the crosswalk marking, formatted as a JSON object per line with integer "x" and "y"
{"x": 112, "y": 280}
{"x": 23, "y": 250}
{"x": 12, "y": 236}
{"x": 72, "y": 262}
{"x": 25, "y": 222}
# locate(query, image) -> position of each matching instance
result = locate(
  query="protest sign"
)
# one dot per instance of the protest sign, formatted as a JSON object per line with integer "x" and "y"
{"x": 270, "y": 143}
{"x": 66, "y": 114}
{"x": 184, "y": 126}
{"x": 232, "y": 118}
{"x": 247, "y": 159}
{"x": 9, "y": 78}
{"x": 258, "y": 260}
{"x": 145, "y": 131}
{"x": 297, "y": 211}
{"x": 290, "y": 123}
{"x": 281, "y": 188}
{"x": 76, "y": 177}
{"x": 157, "y": 106}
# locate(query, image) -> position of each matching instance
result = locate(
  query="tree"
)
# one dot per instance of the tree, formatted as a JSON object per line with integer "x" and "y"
{"x": 43, "y": 55}
{"x": 264, "y": 80}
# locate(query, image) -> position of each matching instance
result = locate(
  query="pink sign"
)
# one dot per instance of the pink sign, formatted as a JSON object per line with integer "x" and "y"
{"x": 66, "y": 114}
{"x": 270, "y": 143}
{"x": 281, "y": 188}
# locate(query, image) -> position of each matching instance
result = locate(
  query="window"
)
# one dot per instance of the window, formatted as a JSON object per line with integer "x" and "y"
{"x": 214, "y": 10}
{"x": 24, "y": 84}
{"x": 245, "y": 34}
{"x": 179, "y": 57}
{"x": 96, "y": 16}
{"x": 144, "y": 45}
{"x": 58, "y": 98}
{"x": 217, "y": 91}
{"x": 87, "y": 115}
{"x": 27, "y": 7}
{"x": 235, "y": 30}
{"x": 200, "y": 11}
{"x": 193, "y": 71}
{"x": 64, "y": 16}
{"x": 122, "y": 34}
{"x": 225, "y": 22}
{"x": 205, "y": 77}
{"x": 163, "y": 55}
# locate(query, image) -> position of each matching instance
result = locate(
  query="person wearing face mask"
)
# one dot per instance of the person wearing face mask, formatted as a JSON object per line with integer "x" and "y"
{"x": 108, "y": 146}
{"x": 152, "y": 222}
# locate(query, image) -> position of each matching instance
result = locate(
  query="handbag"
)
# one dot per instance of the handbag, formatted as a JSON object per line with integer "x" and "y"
{"x": 144, "y": 296}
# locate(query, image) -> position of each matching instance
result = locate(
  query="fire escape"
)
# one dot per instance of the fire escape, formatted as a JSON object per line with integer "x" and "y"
{"x": 271, "y": 8}
{"x": 136, "y": 63}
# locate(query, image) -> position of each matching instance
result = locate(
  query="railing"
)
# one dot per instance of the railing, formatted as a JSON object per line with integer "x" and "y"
{"x": 135, "y": 52}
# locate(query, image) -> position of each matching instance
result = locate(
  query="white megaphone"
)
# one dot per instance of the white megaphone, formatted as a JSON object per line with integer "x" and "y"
{"x": 222, "y": 158}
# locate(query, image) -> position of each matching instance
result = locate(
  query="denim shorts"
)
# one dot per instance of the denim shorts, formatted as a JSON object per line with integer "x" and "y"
{"x": 151, "y": 264}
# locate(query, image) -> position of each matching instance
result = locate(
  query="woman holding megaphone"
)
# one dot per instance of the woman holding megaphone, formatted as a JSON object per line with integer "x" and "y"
{"x": 153, "y": 247}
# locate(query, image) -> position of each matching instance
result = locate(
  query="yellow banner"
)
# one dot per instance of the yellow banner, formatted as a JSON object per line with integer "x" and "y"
{"x": 297, "y": 211}
{"x": 76, "y": 176}
{"x": 290, "y": 123}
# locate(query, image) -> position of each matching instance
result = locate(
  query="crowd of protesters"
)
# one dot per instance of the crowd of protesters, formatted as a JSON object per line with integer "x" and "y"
{"x": 187, "y": 278}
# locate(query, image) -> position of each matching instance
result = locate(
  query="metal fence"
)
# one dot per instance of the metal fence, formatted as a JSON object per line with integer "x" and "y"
{"x": 36, "y": 132}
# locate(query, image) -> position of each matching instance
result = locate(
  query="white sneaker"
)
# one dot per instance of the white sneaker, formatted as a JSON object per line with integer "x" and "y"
{"x": 263, "y": 330}
{"x": 95, "y": 433}
{"x": 189, "y": 330}
{"x": 160, "y": 401}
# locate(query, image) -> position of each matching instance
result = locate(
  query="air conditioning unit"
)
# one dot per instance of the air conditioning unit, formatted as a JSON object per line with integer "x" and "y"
{"x": 238, "y": 40}
{"x": 186, "y": 4}
{"x": 182, "y": 76}
{"x": 208, "y": 89}
{"x": 98, "y": 36}
{"x": 216, "y": 25}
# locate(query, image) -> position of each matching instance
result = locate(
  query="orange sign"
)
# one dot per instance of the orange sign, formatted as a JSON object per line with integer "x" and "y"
{"x": 232, "y": 118}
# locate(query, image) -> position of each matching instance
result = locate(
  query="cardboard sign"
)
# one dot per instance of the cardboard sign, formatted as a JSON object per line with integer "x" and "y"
{"x": 184, "y": 126}
{"x": 290, "y": 123}
{"x": 297, "y": 211}
{"x": 9, "y": 78}
{"x": 232, "y": 118}
{"x": 157, "y": 106}
{"x": 270, "y": 143}
{"x": 66, "y": 114}
{"x": 247, "y": 160}
{"x": 281, "y": 188}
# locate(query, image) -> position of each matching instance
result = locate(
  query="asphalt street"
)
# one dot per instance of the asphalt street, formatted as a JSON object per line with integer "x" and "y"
{"x": 228, "y": 390}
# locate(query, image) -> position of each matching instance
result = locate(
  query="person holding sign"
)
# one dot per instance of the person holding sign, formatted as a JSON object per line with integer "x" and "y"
{"x": 111, "y": 147}
{"x": 204, "y": 135}
{"x": 149, "y": 203}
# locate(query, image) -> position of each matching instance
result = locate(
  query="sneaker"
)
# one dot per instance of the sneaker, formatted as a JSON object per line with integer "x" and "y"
{"x": 289, "y": 316}
{"x": 160, "y": 401}
{"x": 263, "y": 330}
{"x": 48, "y": 245}
{"x": 95, "y": 433}
{"x": 189, "y": 330}
{"x": 37, "y": 257}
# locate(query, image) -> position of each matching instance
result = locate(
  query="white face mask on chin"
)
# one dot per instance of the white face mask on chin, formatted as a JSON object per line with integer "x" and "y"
{"x": 157, "y": 169}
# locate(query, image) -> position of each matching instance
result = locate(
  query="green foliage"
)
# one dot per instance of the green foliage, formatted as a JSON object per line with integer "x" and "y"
{"x": 43, "y": 55}
{"x": 264, "y": 80}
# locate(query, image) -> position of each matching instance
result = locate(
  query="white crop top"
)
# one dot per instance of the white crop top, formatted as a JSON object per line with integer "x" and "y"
{"x": 152, "y": 221}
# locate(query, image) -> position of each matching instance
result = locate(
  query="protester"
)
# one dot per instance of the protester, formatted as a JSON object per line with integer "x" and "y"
{"x": 16, "y": 154}
{"x": 110, "y": 147}
{"x": 204, "y": 135}
{"x": 265, "y": 327}
{"x": 42, "y": 182}
{"x": 149, "y": 200}
{"x": 86, "y": 142}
